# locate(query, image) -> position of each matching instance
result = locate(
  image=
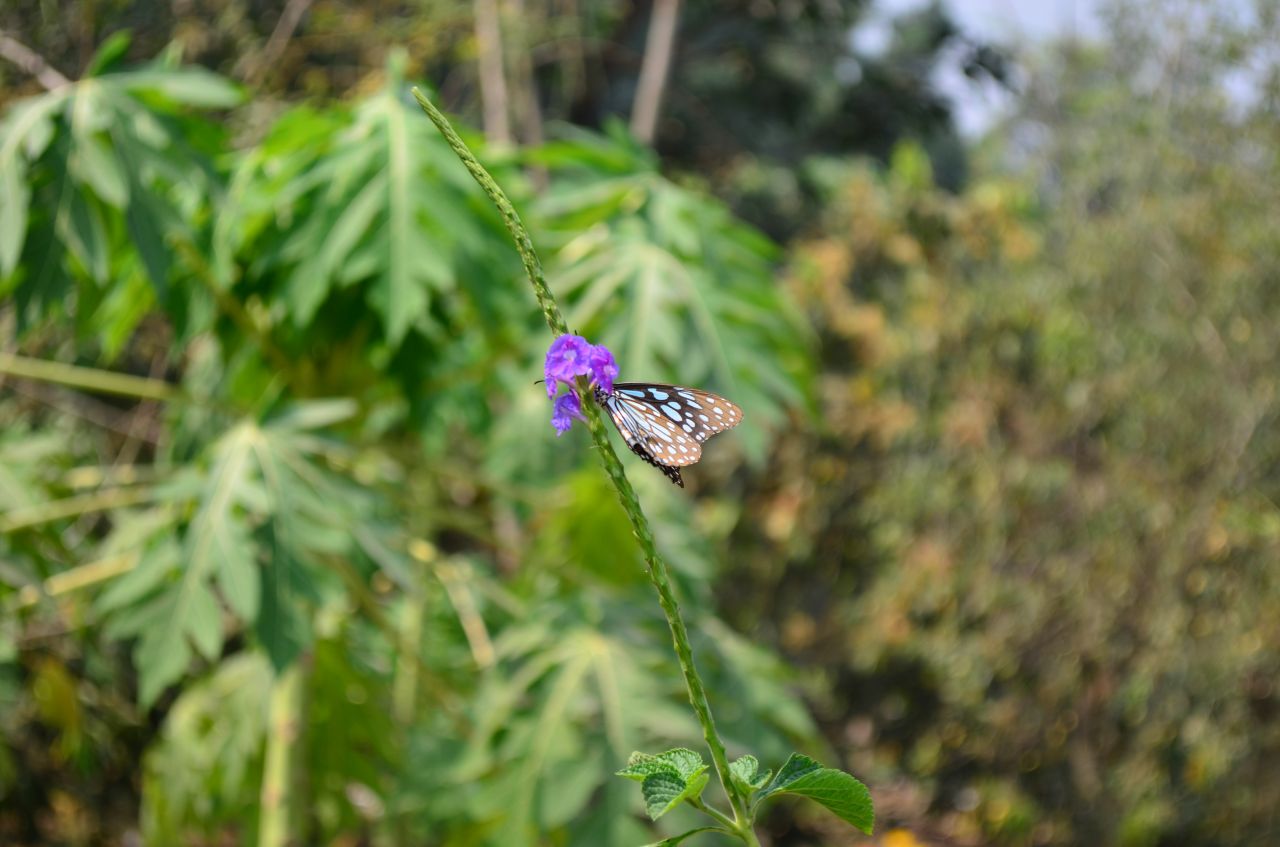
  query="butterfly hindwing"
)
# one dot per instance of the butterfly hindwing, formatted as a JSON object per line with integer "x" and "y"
{"x": 666, "y": 424}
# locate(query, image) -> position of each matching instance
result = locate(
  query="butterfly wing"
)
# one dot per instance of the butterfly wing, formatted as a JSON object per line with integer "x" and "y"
{"x": 669, "y": 422}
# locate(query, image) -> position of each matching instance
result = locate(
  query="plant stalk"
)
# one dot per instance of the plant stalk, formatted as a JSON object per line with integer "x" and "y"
{"x": 656, "y": 568}
{"x": 87, "y": 379}
{"x": 73, "y": 507}
{"x": 284, "y": 726}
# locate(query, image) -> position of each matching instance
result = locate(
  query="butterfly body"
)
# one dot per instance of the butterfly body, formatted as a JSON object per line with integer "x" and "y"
{"x": 666, "y": 424}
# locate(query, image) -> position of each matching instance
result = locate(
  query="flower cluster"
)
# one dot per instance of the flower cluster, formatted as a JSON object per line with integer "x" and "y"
{"x": 569, "y": 357}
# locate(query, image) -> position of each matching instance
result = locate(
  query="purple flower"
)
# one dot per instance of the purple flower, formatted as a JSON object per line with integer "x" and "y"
{"x": 604, "y": 370}
{"x": 567, "y": 407}
{"x": 569, "y": 357}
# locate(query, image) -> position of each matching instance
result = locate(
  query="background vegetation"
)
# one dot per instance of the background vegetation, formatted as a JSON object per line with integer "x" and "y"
{"x": 289, "y": 553}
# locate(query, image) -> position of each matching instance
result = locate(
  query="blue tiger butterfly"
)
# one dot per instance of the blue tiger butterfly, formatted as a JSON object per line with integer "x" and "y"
{"x": 666, "y": 424}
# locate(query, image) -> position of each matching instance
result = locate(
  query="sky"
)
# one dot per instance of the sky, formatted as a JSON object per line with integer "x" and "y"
{"x": 997, "y": 21}
{"x": 1011, "y": 22}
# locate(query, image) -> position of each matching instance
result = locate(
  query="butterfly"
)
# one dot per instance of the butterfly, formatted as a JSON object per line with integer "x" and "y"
{"x": 666, "y": 424}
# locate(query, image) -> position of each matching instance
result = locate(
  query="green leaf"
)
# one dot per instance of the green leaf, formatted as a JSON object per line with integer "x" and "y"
{"x": 161, "y": 661}
{"x": 95, "y": 166}
{"x": 192, "y": 86}
{"x": 283, "y": 626}
{"x": 406, "y": 298}
{"x": 237, "y": 573}
{"x": 309, "y": 285}
{"x": 153, "y": 568}
{"x": 143, "y": 218}
{"x": 13, "y": 211}
{"x": 676, "y": 839}
{"x": 202, "y": 619}
{"x": 313, "y": 414}
{"x": 113, "y": 48}
{"x": 674, "y": 284}
{"x": 641, "y": 765}
{"x": 843, "y": 795}
{"x": 28, "y": 127}
{"x": 746, "y": 773}
{"x": 80, "y": 224}
{"x": 794, "y": 768}
{"x": 679, "y": 761}
{"x": 663, "y": 791}
{"x": 667, "y": 779}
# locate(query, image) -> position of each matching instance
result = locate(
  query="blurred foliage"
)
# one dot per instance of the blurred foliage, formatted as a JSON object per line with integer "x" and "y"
{"x": 182, "y": 557}
{"x": 1019, "y": 558}
{"x": 755, "y": 88}
{"x": 1028, "y": 552}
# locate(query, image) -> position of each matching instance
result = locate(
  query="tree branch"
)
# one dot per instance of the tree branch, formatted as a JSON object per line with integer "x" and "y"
{"x": 654, "y": 69}
{"x": 253, "y": 67}
{"x": 493, "y": 80}
{"x": 31, "y": 62}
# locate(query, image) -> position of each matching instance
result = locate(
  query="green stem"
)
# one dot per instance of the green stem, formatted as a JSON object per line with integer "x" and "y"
{"x": 77, "y": 578}
{"x": 720, "y": 817}
{"x": 71, "y": 507}
{"x": 277, "y": 798}
{"x": 524, "y": 245}
{"x": 88, "y": 379}
{"x": 655, "y": 566}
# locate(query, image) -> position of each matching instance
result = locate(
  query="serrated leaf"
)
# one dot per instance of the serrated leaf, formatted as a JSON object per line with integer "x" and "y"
{"x": 663, "y": 791}
{"x": 641, "y": 765}
{"x": 680, "y": 761}
{"x": 795, "y": 767}
{"x": 686, "y": 762}
{"x": 842, "y": 794}
{"x": 745, "y": 772}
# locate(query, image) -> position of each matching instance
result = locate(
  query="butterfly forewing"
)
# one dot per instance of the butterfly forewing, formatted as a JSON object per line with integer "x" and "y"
{"x": 668, "y": 422}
